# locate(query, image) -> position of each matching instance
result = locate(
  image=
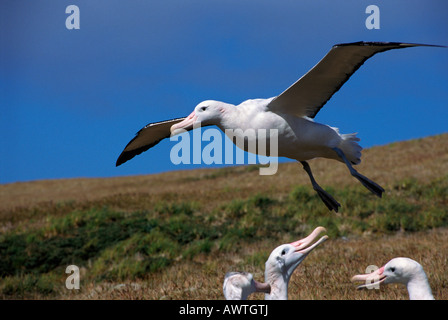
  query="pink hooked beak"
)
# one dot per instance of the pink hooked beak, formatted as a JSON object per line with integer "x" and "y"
{"x": 303, "y": 245}
{"x": 370, "y": 279}
{"x": 184, "y": 125}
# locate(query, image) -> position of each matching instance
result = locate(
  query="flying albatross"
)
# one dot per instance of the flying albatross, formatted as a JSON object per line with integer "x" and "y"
{"x": 291, "y": 113}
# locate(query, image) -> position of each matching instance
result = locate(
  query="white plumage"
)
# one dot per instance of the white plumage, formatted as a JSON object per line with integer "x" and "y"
{"x": 400, "y": 270}
{"x": 291, "y": 113}
{"x": 279, "y": 268}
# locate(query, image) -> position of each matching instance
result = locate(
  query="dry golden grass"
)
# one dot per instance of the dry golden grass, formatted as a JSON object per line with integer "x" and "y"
{"x": 325, "y": 274}
{"x": 422, "y": 159}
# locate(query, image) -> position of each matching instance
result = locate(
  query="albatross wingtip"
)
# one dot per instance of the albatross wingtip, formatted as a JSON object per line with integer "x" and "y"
{"x": 120, "y": 161}
{"x": 386, "y": 43}
{"x": 124, "y": 157}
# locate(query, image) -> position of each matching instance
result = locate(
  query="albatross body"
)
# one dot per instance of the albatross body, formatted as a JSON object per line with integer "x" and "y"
{"x": 299, "y": 138}
{"x": 239, "y": 285}
{"x": 291, "y": 114}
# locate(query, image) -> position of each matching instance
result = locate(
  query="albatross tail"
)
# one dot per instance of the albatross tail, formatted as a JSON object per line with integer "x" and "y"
{"x": 352, "y": 150}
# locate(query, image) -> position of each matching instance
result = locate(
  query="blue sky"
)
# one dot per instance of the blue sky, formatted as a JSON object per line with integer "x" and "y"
{"x": 72, "y": 99}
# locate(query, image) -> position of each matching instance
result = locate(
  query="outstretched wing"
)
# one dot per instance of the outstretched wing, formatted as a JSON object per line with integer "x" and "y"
{"x": 146, "y": 138}
{"x": 310, "y": 93}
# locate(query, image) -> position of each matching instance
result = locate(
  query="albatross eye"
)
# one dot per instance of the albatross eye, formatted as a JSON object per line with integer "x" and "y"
{"x": 203, "y": 108}
{"x": 283, "y": 252}
{"x": 392, "y": 269}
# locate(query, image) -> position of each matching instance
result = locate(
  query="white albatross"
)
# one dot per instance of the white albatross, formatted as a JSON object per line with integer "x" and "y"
{"x": 291, "y": 113}
{"x": 279, "y": 268}
{"x": 400, "y": 270}
{"x": 239, "y": 285}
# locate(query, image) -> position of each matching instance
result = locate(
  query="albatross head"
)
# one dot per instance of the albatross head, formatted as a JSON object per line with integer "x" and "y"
{"x": 286, "y": 258}
{"x": 397, "y": 270}
{"x": 206, "y": 113}
{"x": 400, "y": 270}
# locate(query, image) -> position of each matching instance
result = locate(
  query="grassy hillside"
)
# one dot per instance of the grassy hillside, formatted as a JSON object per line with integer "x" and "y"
{"x": 174, "y": 235}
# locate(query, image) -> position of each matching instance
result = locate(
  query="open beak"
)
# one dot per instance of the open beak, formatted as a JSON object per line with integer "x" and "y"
{"x": 184, "y": 125}
{"x": 370, "y": 280}
{"x": 304, "y": 246}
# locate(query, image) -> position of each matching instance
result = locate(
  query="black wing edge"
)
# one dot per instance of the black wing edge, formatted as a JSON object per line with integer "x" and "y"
{"x": 385, "y": 43}
{"x": 128, "y": 155}
{"x": 400, "y": 45}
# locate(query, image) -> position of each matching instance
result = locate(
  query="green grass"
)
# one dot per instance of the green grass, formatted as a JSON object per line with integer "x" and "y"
{"x": 117, "y": 245}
